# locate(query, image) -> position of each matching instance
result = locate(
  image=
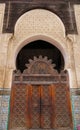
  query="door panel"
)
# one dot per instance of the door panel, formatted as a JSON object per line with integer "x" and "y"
{"x": 46, "y": 106}
{"x": 19, "y": 107}
{"x": 39, "y": 106}
{"x": 62, "y": 110}
{"x": 34, "y": 106}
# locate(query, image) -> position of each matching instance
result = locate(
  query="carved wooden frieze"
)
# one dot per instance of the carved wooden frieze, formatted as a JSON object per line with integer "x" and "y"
{"x": 40, "y": 65}
{"x": 40, "y": 70}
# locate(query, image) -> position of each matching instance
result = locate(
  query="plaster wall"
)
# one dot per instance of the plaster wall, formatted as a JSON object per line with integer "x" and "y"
{"x": 76, "y": 44}
{"x": 37, "y": 24}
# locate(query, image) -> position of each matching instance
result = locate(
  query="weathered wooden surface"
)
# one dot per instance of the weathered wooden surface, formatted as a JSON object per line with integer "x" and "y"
{"x": 40, "y": 97}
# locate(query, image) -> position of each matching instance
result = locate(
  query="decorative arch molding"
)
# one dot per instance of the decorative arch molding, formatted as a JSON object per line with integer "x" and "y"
{"x": 62, "y": 49}
{"x": 54, "y": 34}
{"x": 23, "y": 36}
{"x": 39, "y": 24}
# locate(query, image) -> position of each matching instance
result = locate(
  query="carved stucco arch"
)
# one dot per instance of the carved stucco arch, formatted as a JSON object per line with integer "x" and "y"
{"x": 39, "y": 21}
{"x": 39, "y": 24}
{"x": 43, "y": 12}
{"x": 62, "y": 49}
{"x": 37, "y": 18}
{"x": 56, "y": 36}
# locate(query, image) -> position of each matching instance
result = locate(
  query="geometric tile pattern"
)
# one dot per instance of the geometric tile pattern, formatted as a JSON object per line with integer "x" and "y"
{"x": 76, "y": 110}
{"x": 4, "y": 109}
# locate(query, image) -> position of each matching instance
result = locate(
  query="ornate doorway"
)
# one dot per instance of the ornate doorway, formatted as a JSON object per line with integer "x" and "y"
{"x": 40, "y": 98}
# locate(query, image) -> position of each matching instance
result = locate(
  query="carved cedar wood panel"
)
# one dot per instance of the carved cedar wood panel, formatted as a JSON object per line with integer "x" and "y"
{"x": 40, "y": 97}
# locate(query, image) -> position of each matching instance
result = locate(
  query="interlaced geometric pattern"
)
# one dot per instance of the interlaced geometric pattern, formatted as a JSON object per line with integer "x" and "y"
{"x": 35, "y": 107}
{"x": 19, "y": 107}
{"x": 37, "y": 103}
{"x": 40, "y": 98}
{"x": 46, "y": 106}
{"x": 41, "y": 107}
{"x": 62, "y": 115}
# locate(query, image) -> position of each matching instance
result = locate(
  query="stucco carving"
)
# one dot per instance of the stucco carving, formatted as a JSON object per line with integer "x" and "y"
{"x": 39, "y": 21}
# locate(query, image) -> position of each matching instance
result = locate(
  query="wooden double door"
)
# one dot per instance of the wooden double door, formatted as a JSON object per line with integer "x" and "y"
{"x": 39, "y": 107}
